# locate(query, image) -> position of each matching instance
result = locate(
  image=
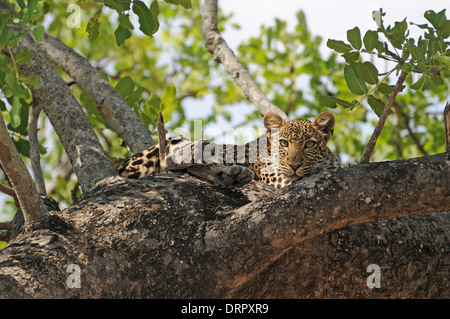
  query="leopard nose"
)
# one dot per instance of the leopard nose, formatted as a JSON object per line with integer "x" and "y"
{"x": 294, "y": 166}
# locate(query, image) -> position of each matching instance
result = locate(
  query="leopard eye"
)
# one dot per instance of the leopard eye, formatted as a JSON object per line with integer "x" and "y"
{"x": 284, "y": 143}
{"x": 310, "y": 144}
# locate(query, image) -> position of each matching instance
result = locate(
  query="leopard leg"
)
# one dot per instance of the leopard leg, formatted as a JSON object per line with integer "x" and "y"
{"x": 223, "y": 175}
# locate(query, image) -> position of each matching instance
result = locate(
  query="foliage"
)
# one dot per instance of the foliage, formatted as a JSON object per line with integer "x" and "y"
{"x": 154, "y": 54}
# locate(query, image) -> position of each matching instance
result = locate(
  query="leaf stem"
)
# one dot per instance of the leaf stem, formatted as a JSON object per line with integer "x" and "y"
{"x": 13, "y": 60}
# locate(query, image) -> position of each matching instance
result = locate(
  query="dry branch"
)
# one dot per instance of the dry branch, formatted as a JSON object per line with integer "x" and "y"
{"x": 222, "y": 53}
{"x": 35, "y": 147}
{"x": 447, "y": 126}
{"x": 161, "y": 141}
{"x": 379, "y": 127}
{"x": 112, "y": 106}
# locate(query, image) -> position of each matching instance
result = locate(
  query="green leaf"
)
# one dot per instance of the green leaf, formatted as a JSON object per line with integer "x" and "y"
{"x": 351, "y": 56}
{"x": 331, "y": 101}
{"x": 125, "y": 86}
{"x": 368, "y": 72}
{"x": 328, "y": 101}
{"x": 185, "y": 3}
{"x": 121, "y": 35}
{"x": 418, "y": 84}
{"x": 338, "y": 46}
{"x": 118, "y": 5}
{"x": 154, "y": 8}
{"x": 93, "y": 27}
{"x": 397, "y": 34}
{"x": 146, "y": 19}
{"x": 354, "y": 82}
{"x": 168, "y": 95}
{"x": 436, "y": 80}
{"x": 15, "y": 112}
{"x": 4, "y": 19}
{"x": 30, "y": 80}
{"x": 435, "y": 18}
{"x": 417, "y": 54}
{"x": 24, "y": 57}
{"x": 376, "y": 104}
{"x": 5, "y": 38}
{"x": 38, "y": 32}
{"x": 354, "y": 37}
{"x": 15, "y": 87}
{"x": 443, "y": 30}
{"x": 168, "y": 103}
{"x": 370, "y": 40}
{"x": 124, "y": 21}
{"x": 385, "y": 88}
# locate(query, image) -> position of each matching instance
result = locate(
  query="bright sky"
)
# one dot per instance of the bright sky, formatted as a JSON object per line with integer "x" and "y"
{"x": 327, "y": 18}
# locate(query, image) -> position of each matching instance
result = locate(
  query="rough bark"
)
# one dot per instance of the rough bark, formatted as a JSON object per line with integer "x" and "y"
{"x": 76, "y": 134}
{"x": 35, "y": 212}
{"x": 112, "y": 106}
{"x": 173, "y": 236}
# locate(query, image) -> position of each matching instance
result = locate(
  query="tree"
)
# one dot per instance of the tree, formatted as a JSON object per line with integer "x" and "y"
{"x": 176, "y": 236}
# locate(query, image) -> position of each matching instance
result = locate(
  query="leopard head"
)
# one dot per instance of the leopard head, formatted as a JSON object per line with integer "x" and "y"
{"x": 301, "y": 144}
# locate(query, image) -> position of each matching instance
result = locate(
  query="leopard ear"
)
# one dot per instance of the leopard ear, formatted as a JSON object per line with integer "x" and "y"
{"x": 272, "y": 120}
{"x": 324, "y": 124}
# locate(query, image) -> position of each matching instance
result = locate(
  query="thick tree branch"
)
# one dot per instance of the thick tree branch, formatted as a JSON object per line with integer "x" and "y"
{"x": 113, "y": 108}
{"x": 34, "y": 210}
{"x": 222, "y": 53}
{"x": 323, "y": 203}
{"x": 176, "y": 237}
{"x": 377, "y": 131}
{"x": 87, "y": 157}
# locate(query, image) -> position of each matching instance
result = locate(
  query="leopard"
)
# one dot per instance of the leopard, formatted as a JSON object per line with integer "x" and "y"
{"x": 287, "y": 152}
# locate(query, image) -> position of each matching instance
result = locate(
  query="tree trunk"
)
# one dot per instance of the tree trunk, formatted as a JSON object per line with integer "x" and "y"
{"x": 332, "y": 235}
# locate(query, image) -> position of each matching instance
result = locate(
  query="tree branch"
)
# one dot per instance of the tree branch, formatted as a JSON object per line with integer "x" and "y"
{"x": 222, "y": 53}
{"x": 322, "y": 203}
{"x": 113, "y": 108}
{"x": 33, "y": 208}
{"x": 35, "y": 147}
{"x": 8, "y": 191}
{"x": 87, "y": 157}
{"x": 198, "y": 241}
{"x": 447, "y": 126}
{"x": 378, "y": 128}
{"x": 161, "y": 141}
{"x": 414, "y": 137}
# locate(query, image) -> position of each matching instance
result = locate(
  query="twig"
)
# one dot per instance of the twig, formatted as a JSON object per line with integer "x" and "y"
{"x": 73, "y": 193}
{"x": 400, "y": 111}
{"x": 35, "y": 147}
{"x": 5, "y": 226}
{"x": 394, "y": 55}
{"x": 8, "y": 191}
{"x": 222, "y": 53}
{"x": 162, "y": 141}
{"x": 447, "y": 126}
{"x": 373, "y": 139}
